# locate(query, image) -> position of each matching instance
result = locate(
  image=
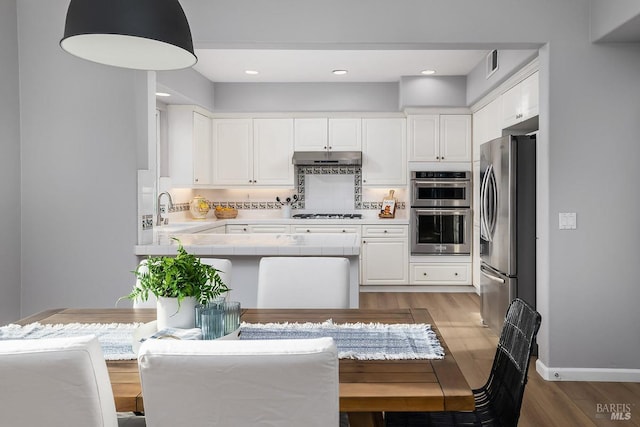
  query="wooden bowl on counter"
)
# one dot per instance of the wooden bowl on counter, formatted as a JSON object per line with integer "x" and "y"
{"x": 225, "y": 213}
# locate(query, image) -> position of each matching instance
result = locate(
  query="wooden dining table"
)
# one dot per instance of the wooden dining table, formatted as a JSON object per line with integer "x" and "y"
{"x": 368, "y": 388}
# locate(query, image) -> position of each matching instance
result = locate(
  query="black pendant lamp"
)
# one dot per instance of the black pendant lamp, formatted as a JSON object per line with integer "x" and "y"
{"x": 138, "y": 34}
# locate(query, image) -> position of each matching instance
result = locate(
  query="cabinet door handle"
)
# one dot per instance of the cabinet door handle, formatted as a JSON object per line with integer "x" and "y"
{"x": 364, "y": 241}
{"x": 455, "y": 274}
{"x": 344, "y": 231}
{"x": 385, "y": 231}
{"x": 424, "y": 274}
{"x": 196, "y": 180}
{"x": 325, "y": 147}
{"x": 244, "y": 229}
{"x": 308, "y": 231}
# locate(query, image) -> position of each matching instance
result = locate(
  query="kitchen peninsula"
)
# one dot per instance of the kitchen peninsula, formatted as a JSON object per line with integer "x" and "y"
{"x": 246, "y": 250}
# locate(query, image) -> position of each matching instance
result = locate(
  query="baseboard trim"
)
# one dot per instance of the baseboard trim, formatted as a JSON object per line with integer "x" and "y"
{"x": 418, "y": 288}
{"x": 587, "y": 374}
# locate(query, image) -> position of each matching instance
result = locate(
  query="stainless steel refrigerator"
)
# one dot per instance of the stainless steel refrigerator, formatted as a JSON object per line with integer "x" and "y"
{"x": 507, "y": 225}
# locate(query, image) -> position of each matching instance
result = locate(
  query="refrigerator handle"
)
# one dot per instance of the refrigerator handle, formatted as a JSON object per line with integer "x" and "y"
{"x": 489, "y": 276}
{"x": 484, "y": 205}
{"x": 491, "y": 225}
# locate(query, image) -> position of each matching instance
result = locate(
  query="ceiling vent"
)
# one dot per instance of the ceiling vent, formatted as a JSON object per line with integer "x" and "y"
{"x": 492, "y": 62}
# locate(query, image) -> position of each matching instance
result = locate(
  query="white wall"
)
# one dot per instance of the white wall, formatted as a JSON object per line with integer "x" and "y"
{"x": 433, "y": 91}
{"x": 81, "y": 128}
{"x": 615, "y": 21}
{"x": 306, "y": 97}
{"x": 9, "y": 165}
{"x": 509, "y": 61}
{"x": 588, "y": 273}
{"x": 79, "y": 144}
{"x": 188, "y": 86}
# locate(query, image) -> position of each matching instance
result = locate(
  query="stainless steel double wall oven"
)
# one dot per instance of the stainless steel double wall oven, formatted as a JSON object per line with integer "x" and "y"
{"x": 440, "y": 213}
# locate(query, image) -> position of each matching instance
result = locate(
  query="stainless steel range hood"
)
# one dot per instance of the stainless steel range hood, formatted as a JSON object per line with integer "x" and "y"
{"x": 327, "y": 158}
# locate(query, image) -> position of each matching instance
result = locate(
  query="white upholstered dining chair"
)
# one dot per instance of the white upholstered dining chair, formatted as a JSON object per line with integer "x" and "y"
{"x": 278, "y": 383}
{"x": 303, "y": 282}
{"x": 222, "y": 265}
{"x": 57, "y": 382}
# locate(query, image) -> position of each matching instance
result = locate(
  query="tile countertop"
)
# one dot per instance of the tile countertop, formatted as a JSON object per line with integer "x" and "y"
{"x": 249, "y": 217}
{"x": 194, "y": 237}
{"x": 260, "y": 244}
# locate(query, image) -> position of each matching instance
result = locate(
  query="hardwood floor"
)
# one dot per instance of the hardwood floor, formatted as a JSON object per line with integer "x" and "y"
{"x": 546, "y": 403}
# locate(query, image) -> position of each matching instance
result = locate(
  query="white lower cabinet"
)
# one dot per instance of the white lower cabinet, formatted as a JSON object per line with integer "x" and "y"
{"x": 325, "y": 229}
{"x": 258, "y": 228}
{"x": 221, "y": 229}
{"x": 440, "y": 274}
{"x": 384, "y": 255}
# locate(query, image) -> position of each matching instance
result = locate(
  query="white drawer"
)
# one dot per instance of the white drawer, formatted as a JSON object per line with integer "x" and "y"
{"x": 325, "y": 229}
{"x": 440, "y": 274}
{"x": 385, "y": 231}
{"x": 273, "y": 228}
{"x": 237, "y": 228}
{"x": 261, "y": 228}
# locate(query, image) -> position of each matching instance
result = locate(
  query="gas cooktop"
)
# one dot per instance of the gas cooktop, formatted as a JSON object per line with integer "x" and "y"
{"x": 327, "y": 216}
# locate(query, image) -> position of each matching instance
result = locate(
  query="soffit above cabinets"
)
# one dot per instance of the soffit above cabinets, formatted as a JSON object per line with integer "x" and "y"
{"x": 305, "y": 66}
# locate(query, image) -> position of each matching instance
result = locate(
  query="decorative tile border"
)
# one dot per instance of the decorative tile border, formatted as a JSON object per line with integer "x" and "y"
{"x": 183, "y": 207}
{"x": 356, "y": 171}
{"x": 301, "y": 172}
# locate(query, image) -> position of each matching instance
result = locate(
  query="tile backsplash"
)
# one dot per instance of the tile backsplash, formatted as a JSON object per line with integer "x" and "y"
{"x": 330, "y": 193}
{"x": 333, "y": 189}
{"x": 324, "y": 188}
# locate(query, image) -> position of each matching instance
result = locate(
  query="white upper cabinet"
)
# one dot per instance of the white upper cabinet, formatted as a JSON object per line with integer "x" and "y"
{"x": 384, "y": 152}
{"x": 487, "y": 125}
{"x": 252, "y": 152}
{"x": 520, "y": 102}
{"x": 273, "y": 152}
{"x": 424, "y": 137}
{"x": 455, "y": 138}
{"x": 311, "y": 134}
{"x": 345, "y": 134}
{"x": 328, "y": 134}
{"x": 440, "y": 138}
{"x": 189, "y": 138}
{"x": 202, "y": 173}
{"x": 232, "y": 151}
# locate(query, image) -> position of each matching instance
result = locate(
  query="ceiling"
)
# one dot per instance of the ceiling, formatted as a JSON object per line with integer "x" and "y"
{"x": 301, "y": 66}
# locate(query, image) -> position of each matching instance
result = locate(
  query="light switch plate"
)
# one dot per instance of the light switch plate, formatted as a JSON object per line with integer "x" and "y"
{"x": 567, "y": 221}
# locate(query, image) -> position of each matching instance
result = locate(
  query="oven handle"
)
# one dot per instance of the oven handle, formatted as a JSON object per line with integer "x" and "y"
{"x": 465, "y": 211}
{"x": 437, "y": 183}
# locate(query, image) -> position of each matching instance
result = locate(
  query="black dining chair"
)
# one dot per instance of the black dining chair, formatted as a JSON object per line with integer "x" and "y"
{"x": 498, "y": 402}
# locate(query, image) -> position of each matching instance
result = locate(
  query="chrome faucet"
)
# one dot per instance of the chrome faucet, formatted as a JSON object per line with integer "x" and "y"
{"x": 161, "y": 220}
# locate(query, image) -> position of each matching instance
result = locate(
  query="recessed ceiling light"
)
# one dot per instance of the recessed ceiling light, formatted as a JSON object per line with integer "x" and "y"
{"x": 428, "y": 72}
{"x": 251, "y": 72}
{"x": 162, "y": 94}
{"x": 339, "y": 72}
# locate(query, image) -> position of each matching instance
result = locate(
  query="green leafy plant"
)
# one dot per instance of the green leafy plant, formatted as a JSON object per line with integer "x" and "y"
{"x": 178, "y": 277}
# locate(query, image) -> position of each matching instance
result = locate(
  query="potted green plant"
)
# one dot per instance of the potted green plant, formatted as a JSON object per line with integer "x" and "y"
{"x": 179, "y": 283}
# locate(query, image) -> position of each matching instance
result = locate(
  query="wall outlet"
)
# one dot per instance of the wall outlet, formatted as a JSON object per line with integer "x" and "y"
{"x": 147, "y": 222}
{"x": 567, "y": 221}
